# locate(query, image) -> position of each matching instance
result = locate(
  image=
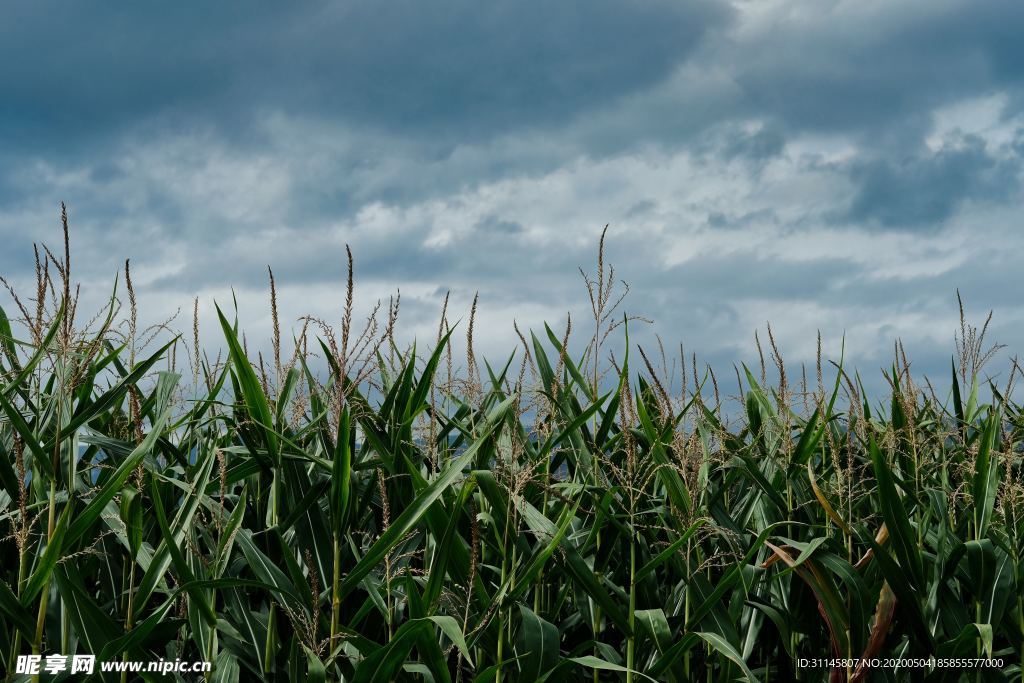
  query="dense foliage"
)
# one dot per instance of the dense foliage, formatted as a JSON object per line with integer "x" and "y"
{"x": 563, "y": 516}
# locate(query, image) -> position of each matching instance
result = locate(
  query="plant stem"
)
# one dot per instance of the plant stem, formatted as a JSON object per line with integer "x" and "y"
{"x": 129, "y": 621}
{"x": 631, "y": 642}
{"x": 335, "y": 594}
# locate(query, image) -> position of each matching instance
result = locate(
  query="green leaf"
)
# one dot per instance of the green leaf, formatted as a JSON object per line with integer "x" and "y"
{"x": 111, "y": 397}
{"x": 830, "y": 606}
{"x": 721, "y": 645}
{"x": 418, "y": 507}
{"x": 985, "y": 484}
{"x": 7, "y": 340}
{"x": 575, "y": 566}
{"x": 44, "y": 567}
{"x": 92, "y": 624}
{"x": 37, "y": 356}
{"x": 442, "y": 554}
{"x": 161, "y": 559}
{"x": 268, "y": 572}
{"x": 890, "y": 503}
{"x": 538, "y": 645}
{"x": 341, "y": 473}
{"x": 592, "y": 662}
{"x": 180, "y": 565}
{"x": 385, "y": 662}
{"x": 115, "y": 482}
{"x": 733, "y": 575}
{"x": 654, "y": 624}
{"x": 450, "y": 627}
{"x": 670, "y": 551}
{"x": 131, "y": 515}
{"x": 28, "y": 437}
{"x": 315, "y": 672}
{"x": 15, "y": 612}
{"x": 964, "y": 643}
{"x": 252, "y": 391}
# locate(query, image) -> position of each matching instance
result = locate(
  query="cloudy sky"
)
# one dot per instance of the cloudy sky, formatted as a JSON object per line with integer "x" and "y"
{"x": 842, "y": 166}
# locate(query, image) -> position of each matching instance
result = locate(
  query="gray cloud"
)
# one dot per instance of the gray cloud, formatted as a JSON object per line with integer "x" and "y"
{"x": 454, "y": 72}
{"x": 925, "y": 190}
{"x": 882, "y": 67}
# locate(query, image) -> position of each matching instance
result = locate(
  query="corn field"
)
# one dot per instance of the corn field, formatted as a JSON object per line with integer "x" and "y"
{"x": 351, "y": 509}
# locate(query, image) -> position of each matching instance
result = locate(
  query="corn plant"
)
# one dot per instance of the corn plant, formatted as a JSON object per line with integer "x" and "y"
{"x": 358, "y": 511}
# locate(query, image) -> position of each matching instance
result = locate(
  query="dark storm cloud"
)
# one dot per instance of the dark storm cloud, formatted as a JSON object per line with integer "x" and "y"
{"x": 86, "y": 71}
{"x": 925, "y": 189}
{"x": 879, "y": 70}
